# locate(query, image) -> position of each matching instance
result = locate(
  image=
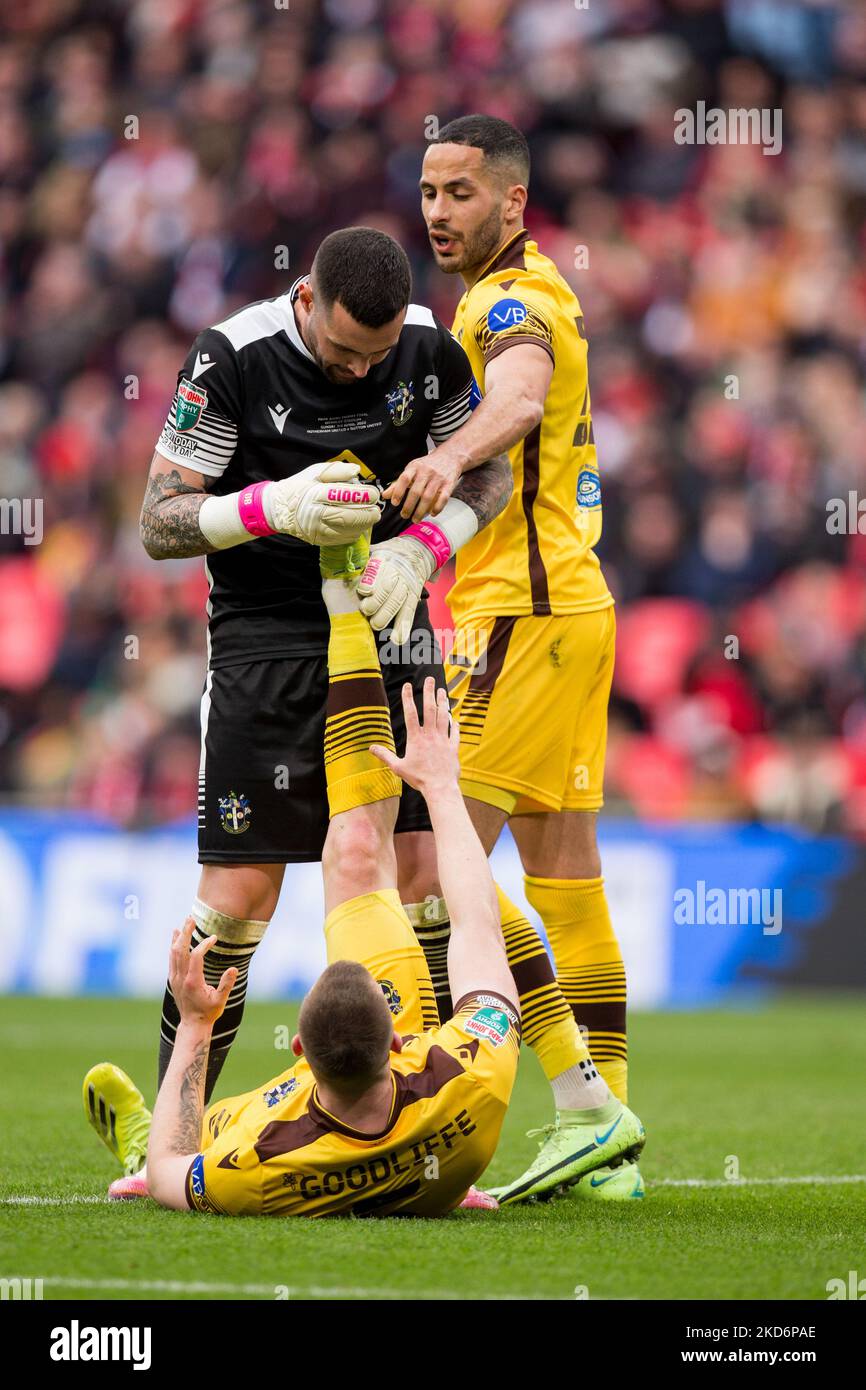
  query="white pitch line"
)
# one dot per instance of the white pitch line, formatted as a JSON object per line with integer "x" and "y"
{"x": 178, "y": 1286}
{"x": 804, "y": 1180}
{"x": 74, "y": 1201}
{"x": 201, "y": 1287}
{"x": 818, "y": 1179}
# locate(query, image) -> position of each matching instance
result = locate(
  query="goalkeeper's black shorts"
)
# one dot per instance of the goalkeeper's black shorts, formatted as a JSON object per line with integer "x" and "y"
{"x": 262, "y": 796}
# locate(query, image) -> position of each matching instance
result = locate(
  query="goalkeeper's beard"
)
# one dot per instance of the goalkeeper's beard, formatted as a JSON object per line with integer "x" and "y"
{"x": 340, "y": 376}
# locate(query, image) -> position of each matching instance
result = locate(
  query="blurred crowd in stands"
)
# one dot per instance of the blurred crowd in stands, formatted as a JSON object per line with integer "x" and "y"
{"x": 156, "y": 154}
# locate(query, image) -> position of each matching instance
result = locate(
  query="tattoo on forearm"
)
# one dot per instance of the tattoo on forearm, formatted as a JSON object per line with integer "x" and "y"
{"x": 486, "y": 489}
{"x": 187, "y": 1135}
{"x": 169, "y": 518}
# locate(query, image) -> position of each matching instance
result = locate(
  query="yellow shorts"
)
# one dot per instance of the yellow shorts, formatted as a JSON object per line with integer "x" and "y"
{"x": 531, "y": 695}
{"x": 375, "y": 930}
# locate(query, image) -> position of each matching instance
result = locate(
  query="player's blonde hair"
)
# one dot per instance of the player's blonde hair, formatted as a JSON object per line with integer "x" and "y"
{"x": 345, "y": 1027}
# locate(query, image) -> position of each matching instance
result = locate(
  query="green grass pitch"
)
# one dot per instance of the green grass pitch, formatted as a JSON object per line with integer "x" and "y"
{"x": 779, "y": 1088}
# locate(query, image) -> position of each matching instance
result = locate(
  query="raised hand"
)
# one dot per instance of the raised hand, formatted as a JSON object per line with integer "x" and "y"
{"x": 196, "y": 1000}
{"x": 431, "y": 761}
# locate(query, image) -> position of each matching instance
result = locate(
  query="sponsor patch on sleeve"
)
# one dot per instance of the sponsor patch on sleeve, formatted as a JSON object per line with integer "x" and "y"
{"x": 512, "y": 321}
{"x": 191, "y": 401}
{"x": 195, "y": 434}
{"x": 588, "y": 489}
{"x": 195, "y": 1183}
{"x": 506, "y": 313}
{"x": 491, "y": 1024}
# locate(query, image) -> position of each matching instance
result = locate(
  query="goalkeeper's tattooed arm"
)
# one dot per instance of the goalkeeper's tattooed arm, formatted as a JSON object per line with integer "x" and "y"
{"x": 325, "y": 504}
{"x": 169, "y": 524}
{"x": 486, "y": 489}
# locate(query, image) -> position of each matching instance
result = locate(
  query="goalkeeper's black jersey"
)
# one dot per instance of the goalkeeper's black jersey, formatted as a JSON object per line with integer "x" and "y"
{"x": 252, "y": 404}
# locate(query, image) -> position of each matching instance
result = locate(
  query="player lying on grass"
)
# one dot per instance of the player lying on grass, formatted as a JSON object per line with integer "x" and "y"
{"x": 376, "y": 1116}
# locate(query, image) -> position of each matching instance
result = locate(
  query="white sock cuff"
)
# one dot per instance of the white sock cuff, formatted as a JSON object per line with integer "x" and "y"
{"x": 579, "y": 1086}
{"x": 237, "y": 931}
{"x": 433, "y": 912}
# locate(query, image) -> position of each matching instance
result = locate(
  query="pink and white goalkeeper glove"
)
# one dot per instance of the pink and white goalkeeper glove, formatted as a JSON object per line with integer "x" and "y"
{"x": 398, "y": 569}
{"x": 325, "y": 504}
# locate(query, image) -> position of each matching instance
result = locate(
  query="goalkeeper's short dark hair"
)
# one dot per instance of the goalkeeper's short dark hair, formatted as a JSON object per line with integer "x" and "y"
{"x": 503, "y": 144}
{"x": 366, "y": 271}
{"x": 345, "y": 1027}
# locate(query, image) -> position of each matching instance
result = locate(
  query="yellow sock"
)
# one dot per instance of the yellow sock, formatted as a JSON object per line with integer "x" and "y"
{"x": 548, "y": 1022}
{"x": 374, "y": 930}
{"x": 589, "y": 967}
{"x": 357, "y": 715}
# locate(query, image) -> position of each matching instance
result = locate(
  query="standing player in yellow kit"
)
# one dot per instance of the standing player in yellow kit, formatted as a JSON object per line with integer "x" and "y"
{"x": 531, "y": 667}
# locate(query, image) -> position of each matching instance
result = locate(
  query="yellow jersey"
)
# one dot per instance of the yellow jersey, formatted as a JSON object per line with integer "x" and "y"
{"x": 278, "y": 1152}
{"x": 538, "y": 555}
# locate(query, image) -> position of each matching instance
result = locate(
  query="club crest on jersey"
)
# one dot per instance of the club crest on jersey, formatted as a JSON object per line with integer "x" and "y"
{"x": 588, "y": 489}
{"x": 490, "y": 1024}
{"x": 235, "y": 813}
{"x": 400, "y": 403}
{"x": 392, "y": 996}
{"x": 191, "y": 401}
{"x": 505, "y": 313}
{"x": 278, "y": 1093}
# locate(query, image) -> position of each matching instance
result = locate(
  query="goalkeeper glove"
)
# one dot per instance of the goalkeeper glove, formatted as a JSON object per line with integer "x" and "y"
{"x": 392, "y": 583}
{"x": 325, "y": 504}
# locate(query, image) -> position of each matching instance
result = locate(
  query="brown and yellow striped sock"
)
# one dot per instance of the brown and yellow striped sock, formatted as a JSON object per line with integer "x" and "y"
{"x": 548, "y": 1023}
{"x": 357, "y": 715}
{"x": 432, "y": 926}
{"x": 589, "y": 967}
